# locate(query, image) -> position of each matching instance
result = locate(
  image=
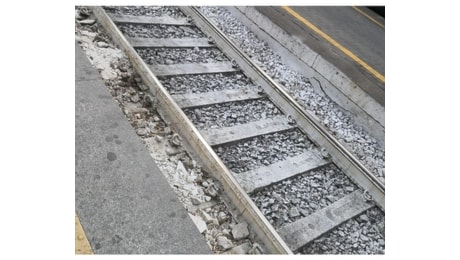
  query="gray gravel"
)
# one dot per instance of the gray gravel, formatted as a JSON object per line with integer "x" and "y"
{"x": 231, "y": 113}
{"x": 168, "y": 56}
{"x": 199, "y": 192}
{"x": 263, "y": 150}
{"x": 364, "y": 234}
{"x": 160, "y": 31}
{"x": 203, "y": 83}
{"x": 145, "y": 10}
{"x": 363, "y": 145}
{"x": 223, "y": 232}
{"x": 300, "y": 196}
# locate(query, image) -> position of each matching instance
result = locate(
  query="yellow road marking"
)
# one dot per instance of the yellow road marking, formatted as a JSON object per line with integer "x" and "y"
{"x": 82, "y": 246}
{"x": 368, "y": 17}
{"x": 335, "y": 44}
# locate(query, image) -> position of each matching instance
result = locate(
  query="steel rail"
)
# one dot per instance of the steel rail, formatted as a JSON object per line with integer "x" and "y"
{"x": 197, "y": 144}
{"x": 352, "y": 167}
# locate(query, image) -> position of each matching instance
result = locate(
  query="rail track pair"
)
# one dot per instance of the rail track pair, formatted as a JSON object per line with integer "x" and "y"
{"x": 202, "y": 142}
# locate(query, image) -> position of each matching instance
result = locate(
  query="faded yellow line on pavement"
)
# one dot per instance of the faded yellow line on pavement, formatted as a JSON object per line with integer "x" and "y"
{"x": 368, "y": 17}
{"x": 335, "y": 44}
{"x": 82, "y": 246}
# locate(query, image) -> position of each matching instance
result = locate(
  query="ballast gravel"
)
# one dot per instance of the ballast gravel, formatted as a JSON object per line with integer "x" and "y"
{"x": 160, "y": 31}
{"x": 339, "y": 123}
{"x": 263, "y": 150}
{"x": 202, "y": 83}
{"x": 298, "y": 197}
{"x": 199, "y": 192}
{"x": 364, "y": 235}
{"x": 231, "y": 113}
{"x": 145, "y": 10}
{"x": 169, "y": 56}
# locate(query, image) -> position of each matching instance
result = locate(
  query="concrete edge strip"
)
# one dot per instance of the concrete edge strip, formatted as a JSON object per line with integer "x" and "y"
{"x": 82, "y": 246}
{"x": 196, "y": 144}
{"x": 348, "y": 89}
{"x": 313, "y": 60}
{"x": 343, "y": 158}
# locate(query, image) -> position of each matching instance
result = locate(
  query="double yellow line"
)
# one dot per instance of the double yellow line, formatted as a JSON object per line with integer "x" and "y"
{"x": 335, "y": 44}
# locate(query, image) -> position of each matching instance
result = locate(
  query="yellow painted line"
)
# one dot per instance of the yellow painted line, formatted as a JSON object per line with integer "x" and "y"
{"x": 335, "y": 44}
{"x": 82, "y": 246}
{"x": 368, "y": 17}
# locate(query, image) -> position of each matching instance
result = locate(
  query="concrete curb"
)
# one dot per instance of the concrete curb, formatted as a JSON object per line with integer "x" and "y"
{"x": 324, "y": 77}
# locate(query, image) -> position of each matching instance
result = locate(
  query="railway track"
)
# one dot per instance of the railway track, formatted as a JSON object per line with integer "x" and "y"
{"x": 245, "y": 129}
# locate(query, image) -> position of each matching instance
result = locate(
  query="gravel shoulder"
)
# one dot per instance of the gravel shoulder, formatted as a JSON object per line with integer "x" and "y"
{"x": 338, "y": 122}
{"x": 200, "y": 193}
